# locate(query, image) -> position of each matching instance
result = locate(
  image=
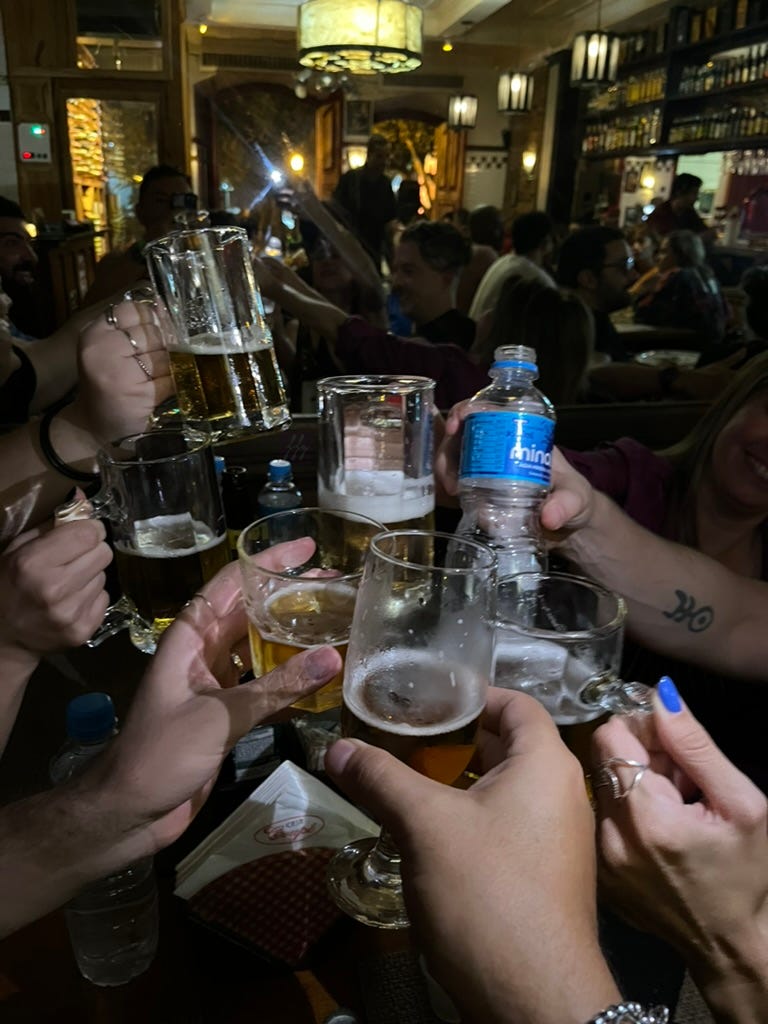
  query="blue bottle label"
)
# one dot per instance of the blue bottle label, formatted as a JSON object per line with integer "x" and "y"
{"x": 510, "y": 446}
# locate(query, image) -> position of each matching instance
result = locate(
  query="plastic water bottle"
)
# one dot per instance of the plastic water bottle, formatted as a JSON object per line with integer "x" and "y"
{"x": 112, "y": 923}
{"x": 506, "y": 459}
{"x": 279, "y": 492}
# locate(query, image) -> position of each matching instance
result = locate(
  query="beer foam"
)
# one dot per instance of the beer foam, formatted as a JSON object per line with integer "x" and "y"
{"x": 169, "y": 537}
{"x": 229, "y": 343}
{"x": 402, "y": 675}
{"x": 415, "y": 500}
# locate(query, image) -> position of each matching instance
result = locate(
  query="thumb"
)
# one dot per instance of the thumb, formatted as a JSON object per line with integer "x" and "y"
{"x": 386, "y": 787}
{"x": 689, "y": 745}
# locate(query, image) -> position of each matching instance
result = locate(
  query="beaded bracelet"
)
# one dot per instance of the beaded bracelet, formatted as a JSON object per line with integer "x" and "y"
{"x": 52, "y": 458}
{"x": 631, "y": 1013}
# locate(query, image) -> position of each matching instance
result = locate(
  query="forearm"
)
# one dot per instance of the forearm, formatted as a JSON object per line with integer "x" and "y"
{"x": 313, "y": 311}
{"x": 733, "y": 980}
{"x": 680, "y": 602}
{"x": 16, "y": 667}
{"x": 29, "y": 487}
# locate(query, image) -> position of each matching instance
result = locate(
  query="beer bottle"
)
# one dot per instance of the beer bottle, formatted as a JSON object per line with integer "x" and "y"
{"x": 237, "y": 504}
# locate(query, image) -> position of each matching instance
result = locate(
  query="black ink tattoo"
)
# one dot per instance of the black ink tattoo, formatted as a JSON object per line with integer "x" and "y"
{"x": 696, "y": 619}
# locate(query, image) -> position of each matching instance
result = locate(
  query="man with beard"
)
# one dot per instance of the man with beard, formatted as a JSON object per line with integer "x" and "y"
{"x": 18, "y": 262}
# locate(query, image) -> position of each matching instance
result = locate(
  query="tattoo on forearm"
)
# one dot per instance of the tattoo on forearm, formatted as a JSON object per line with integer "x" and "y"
{"x": 695, "y": 619}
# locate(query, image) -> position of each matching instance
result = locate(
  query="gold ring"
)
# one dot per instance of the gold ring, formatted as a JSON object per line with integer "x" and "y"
{"x": 607, "y": 776}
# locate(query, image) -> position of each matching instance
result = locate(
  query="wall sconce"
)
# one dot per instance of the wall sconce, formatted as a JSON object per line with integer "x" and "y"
{"x": 515, "y": 92}
{"x": 355, "y": 156}
{"x": 648, "y": 181}
{"x": 462, "y": 112}
{"x": 529, "y": 162}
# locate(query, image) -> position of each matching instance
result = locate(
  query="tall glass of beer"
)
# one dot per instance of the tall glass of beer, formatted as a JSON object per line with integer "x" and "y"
{"x": 559, "y": 638}
{"x": 375, "y": 450}
{"x": 160, "y": 495}
{"x": 415, "y": 683}
{"x": 311, "y": 598}
{"x": 222, "y": 358}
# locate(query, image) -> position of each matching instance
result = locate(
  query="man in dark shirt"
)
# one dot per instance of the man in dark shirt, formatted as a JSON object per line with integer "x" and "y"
{"x": 597, "y": 264}
{"x": 366, "y": 195}
{"x": 425, "y": 271}
{"x": 677, "y": 213}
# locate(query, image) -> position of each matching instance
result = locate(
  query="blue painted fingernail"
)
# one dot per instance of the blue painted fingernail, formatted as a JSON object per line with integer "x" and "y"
{"x": 670, "y": 698}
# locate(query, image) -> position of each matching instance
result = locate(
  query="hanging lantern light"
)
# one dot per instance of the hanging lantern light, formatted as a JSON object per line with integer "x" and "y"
{"x": 595, "y": 56}
{"x": 362, "y": 37}
{"x": 515, "y": 92}
{"x": 462, "y": 112}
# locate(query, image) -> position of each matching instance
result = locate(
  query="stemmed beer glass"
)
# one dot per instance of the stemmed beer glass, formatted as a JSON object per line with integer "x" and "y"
{"x": 415, "y": 683}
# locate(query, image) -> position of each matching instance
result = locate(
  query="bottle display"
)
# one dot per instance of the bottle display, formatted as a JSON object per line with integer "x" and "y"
{"x": 279, "y": 492}
{"x": 506, "y": 459}
{"x": 112, "y": 923}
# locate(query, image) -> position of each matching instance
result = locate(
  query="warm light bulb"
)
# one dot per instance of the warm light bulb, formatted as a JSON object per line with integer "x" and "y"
{"x": 648, "y": 181}
{"x": 447, "y": 46}
{"x": 593, "y": 49}
{"x": 529, "y": 160}
{"x": 364, "y": 19}
{"x": 296, "y": 162}
{"x": 202, "y": 28}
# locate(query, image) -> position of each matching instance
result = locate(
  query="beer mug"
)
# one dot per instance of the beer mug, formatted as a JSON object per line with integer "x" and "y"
{"x": 559, "y": 638}
{"x": 222, "y": 358}
{"x": 309, "y": 603}
{"x": 160, "y": 495}
{"x": 375, "y": 448}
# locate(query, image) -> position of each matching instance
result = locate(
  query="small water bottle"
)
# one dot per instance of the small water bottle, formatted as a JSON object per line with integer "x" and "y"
{"x": 506, "y": 459}
{"x": 112, "y": 923}
{"x": 279, "y": 492}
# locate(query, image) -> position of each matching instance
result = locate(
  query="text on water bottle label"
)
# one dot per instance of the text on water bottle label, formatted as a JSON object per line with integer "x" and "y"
{"x": 508, "y": 446}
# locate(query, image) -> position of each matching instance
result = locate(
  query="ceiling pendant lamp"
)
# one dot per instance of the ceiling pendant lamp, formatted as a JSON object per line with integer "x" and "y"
{"x": 595, "y": 56}
{"x": 515, "y": 92}
{"x": 462, "y": 112}
{"x": 361, "y": 37}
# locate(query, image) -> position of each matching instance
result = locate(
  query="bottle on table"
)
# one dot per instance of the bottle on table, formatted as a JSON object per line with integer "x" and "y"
{"x": 112, "y": 923}
{"x": 237, "y": 505}
{"x": 506, "y": 459}
{"x": 279, "y": 492}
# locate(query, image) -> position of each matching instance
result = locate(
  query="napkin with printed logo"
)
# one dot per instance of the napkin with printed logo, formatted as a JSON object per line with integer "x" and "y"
{"x": 259, "y": 878}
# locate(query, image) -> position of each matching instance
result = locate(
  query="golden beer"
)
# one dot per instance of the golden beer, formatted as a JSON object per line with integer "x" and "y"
{"x": 229, "y": 385}
{"x": 424, "y": 711}
{"x": 159, "y": 577}
{"x": 301, "y": 615}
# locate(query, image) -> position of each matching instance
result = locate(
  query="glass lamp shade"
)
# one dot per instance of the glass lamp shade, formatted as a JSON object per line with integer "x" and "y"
{"x": 595, "y": 58}
{"x": 462, "y": 112}
{"x": 515, "y": 92}
{"x": 362, "y": 37}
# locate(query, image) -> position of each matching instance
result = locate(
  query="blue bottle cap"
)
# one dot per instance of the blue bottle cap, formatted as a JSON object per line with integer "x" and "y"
{"x": 90, "y": 717}
{"x": 279, "y": 469}
{"x": 220, "y": 464}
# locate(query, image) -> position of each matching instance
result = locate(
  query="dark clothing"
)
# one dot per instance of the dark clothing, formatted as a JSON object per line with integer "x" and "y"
{"x": 371, "y": 205}
{"x": 664, "y": 220}
{"x": 607, "y": 338}
{"x": 452, "y": 328}
{"x": 367, "y": 349}
{"x": 685, "y": 298}
{"x": 17, "y": 392}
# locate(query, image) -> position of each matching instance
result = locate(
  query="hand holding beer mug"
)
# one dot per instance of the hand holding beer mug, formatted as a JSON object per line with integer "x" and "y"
{"x": 222, "y": 359}
{"x": 559, "y": 638}
{"x": 415, "y": 683}
{"x": 376, "y": 448}
{"x": 160, "y": 494}
{"x": 311, "y": 601}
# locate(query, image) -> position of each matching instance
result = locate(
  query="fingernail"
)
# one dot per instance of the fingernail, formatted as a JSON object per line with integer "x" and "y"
{"x": 338, "y": 754}
{"x": 670, "y": 698}
{"x": 320, "y": 663}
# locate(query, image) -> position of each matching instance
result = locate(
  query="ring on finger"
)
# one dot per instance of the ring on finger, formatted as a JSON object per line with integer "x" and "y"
{"x": 608, "y": 776}
{"x": 137, "y": 353}
{"x": 111, "y": 317}
{"x": 147, "y": 372}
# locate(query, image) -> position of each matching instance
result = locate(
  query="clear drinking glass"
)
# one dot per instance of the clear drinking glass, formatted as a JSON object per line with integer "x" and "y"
{"x": 375, "y": 448}
{"x": 306, "y": 603}
{"x": 220, "y": 346}
{"x": 160, "y": 495}
{"x": 418, "y": 663}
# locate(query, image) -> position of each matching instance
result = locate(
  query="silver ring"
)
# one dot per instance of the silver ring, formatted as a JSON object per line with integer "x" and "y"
{"x": 607, "y": 776}
{"x": 109, "y": 316}
{"x": 137, "y": 353}
{"x": 205, "y": 599}
{"x": 237, "y": 661}
{"x": 145, "y": 368}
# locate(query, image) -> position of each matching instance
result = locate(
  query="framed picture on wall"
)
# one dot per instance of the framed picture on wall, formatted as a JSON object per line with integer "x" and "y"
{"x": 358, "y": 120}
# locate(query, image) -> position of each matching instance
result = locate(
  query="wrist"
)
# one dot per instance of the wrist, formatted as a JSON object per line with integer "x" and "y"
{"x": 732, "y": 975}
{"x": 17, "y": 660}
{"x": 73, "y": 438}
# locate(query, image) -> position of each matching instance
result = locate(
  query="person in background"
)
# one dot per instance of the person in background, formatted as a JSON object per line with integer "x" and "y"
{"x": 597, "y": 264}
{"x": 754, "y": 283}
{"x": 677, "y": 213}
{"x": 366, "y": 195}
{"x": 18, "y": 267}
{"x": 428, "y": 260}
{"x": 533, "y": 242}
{"x": 645, "y": 250}
{"x": 685, "y": 293}
{"x": 486, "y": 233}
{"x": 155, "y": 212}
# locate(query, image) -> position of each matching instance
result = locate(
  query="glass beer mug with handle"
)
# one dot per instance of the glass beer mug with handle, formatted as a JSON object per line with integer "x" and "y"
{"x": 559, "y": 638}
{"x": 415, "y": 683}
{"x": 222, "y": 359}
{"x": 160, "y": 496}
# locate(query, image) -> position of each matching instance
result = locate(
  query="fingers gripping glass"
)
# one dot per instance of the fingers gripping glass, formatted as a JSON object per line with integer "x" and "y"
{"x": 415, "y": 683}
